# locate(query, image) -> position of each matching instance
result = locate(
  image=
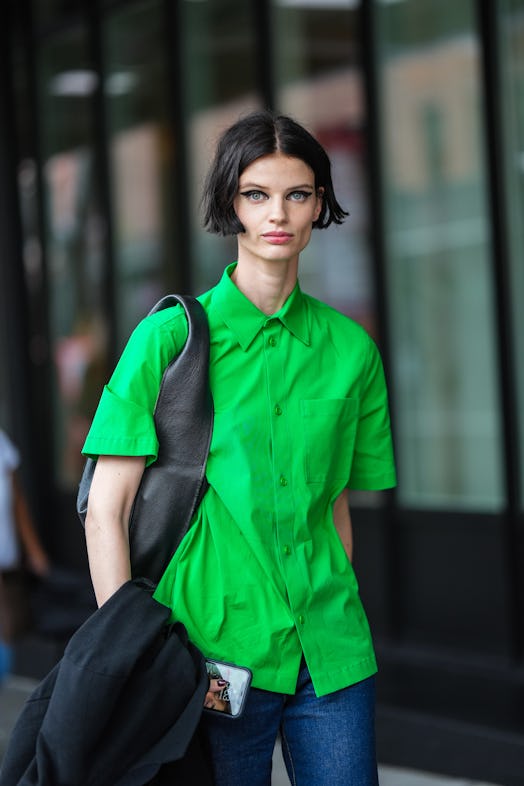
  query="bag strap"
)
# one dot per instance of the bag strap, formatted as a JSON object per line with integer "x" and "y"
{"x": 172, "y": 488}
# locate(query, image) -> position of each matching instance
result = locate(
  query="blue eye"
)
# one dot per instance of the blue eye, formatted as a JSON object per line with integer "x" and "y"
{"x": 299, "y": 196}
{"x": 254, "y": 196}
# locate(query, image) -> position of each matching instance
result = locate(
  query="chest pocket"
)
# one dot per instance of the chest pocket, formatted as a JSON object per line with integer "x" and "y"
{"x": 329, "y": 426}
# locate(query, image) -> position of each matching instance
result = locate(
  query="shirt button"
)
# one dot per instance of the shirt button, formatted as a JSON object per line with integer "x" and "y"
{"x": 301, "y": 619}
{"x": 278, "y": 410}
{"x": 272, "y": 341}
{"x": 283, "y": 480}
{"x": 287, "y": 550}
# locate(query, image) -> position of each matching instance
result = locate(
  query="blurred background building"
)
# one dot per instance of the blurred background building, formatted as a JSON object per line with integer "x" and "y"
{"x": 109, "y": 112}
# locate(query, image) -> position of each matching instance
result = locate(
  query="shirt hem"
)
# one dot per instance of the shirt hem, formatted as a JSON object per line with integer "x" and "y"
{"x": 380, "y": 483}
{"x": 345, "y": 677}
{"x": 338, "y": 680}
{"x": 121, "y": 447}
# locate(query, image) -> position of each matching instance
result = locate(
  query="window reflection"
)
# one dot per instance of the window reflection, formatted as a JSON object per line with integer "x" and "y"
{"x": 141, "y": 156}
{"x": 74, "y": 246}
{"x": 442, "y": 327}
{"x": 79, "y": 341}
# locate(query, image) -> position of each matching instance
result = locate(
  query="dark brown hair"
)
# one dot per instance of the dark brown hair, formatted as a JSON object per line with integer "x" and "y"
{"x": 255, "y": 135}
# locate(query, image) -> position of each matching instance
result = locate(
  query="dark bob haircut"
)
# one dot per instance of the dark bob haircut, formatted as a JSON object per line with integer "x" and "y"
{"x": 255, "y": 135}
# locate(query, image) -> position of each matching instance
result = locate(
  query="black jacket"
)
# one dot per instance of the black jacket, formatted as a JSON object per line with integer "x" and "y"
{"x": 125, "y": 698}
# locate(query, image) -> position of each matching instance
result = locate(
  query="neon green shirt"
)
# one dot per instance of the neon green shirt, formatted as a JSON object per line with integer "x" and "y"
{"x": 300, "y": 413}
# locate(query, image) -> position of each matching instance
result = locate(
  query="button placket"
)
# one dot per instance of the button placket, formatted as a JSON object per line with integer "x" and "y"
{"x": 274, "y": 350}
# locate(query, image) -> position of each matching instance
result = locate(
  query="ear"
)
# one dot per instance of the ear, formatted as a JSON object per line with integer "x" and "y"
{"x": 320, "y": 197}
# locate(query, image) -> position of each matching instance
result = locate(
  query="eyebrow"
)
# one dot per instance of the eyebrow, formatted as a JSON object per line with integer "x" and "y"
{"x": 265, "y": 188}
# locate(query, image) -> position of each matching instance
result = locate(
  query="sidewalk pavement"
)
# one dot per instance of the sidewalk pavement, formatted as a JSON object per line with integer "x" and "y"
{"x": 14, "y": 691}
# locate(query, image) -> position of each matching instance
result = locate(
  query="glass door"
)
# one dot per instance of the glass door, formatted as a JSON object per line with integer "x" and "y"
{"x": 442, "y": 328}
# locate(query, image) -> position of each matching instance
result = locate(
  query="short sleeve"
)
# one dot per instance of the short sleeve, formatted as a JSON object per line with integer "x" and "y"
{"x": 123, "y": 424}
{"x": 373, "y": 466}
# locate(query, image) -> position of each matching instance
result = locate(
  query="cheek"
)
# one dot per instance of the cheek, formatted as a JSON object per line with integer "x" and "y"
{"x": 308, "y": 221}
{"x": 244, "y": 215}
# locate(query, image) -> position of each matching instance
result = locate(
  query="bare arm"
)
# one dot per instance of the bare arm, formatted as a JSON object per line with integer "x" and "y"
{"x": 113, "y": 490}
{"x": 342, "y": 521}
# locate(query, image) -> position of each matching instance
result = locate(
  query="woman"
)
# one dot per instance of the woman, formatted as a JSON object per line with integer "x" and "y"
{"x": 263, "y": 578}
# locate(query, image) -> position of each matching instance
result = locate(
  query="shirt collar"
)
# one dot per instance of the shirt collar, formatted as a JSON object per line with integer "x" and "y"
{"x": 246, "y": 320}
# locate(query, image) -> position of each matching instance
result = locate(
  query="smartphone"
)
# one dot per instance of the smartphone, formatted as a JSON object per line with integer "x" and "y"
{"x": 228, "y": 699}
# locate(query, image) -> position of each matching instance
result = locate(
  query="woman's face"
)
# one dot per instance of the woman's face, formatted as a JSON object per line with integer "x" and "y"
{"x": 277, "y": 205}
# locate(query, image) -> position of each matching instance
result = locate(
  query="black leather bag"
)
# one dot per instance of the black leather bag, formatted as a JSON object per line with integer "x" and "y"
{"x": 173, "y": 486}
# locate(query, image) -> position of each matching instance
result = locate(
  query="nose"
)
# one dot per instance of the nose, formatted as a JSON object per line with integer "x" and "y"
{"x": 278, "y": 212}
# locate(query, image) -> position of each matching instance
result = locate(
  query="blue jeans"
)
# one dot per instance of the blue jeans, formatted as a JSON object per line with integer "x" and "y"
{"x": 327, "y": 741}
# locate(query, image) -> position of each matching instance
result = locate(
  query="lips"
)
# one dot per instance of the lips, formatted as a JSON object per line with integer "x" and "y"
{"x": 277, "y": 237}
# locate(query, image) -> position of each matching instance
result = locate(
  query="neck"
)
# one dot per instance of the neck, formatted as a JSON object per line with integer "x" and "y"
{"x": 268, "y": 285}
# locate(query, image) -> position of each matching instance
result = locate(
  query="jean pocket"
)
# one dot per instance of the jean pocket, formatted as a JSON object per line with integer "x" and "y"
{"x": 329, "y": 432}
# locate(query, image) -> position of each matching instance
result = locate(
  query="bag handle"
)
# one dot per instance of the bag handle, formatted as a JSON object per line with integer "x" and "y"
{"x": 172, "y": 487}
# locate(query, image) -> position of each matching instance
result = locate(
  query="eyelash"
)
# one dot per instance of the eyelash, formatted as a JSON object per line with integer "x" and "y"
{"x": 302, "y": 194}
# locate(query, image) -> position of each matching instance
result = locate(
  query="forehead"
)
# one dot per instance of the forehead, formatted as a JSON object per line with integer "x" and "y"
{"x": 278, "y": 169}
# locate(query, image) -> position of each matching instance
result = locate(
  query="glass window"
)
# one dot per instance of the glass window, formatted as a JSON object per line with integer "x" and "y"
{"x": 512, "y": 103}
{"x": 218, "y": 65}
{"x": 141, "y": 156}
{"x": 73, "y": 243}
{"x": 319, "y": 83}
{"x": 442, "y": 327}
